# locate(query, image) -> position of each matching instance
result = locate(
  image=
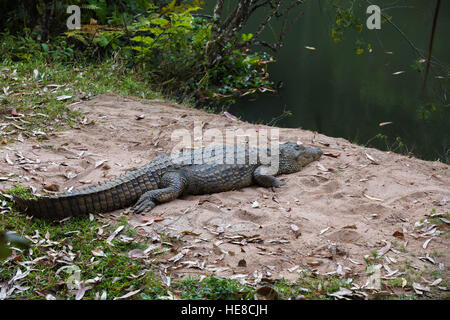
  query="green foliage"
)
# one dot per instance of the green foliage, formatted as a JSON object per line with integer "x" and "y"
{"x": 159, "y": 39}
{"x": 384, "y": 141}
{"x": 214, "y": 288}
{"x": 426, "y": 110}
{"x": 48, "y": 18}
{"x": 162, "y": 40}
{"x": 347, "y": 20}
{"x": 21, "y": 192}
{"x": 246, "y": 37}
{"x": 172, "y": 48}
{"x": 25, "y": 49}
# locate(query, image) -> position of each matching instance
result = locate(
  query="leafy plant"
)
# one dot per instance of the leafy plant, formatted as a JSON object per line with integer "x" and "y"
{"x": 25, "y": 49}
{"x": 186, "y": 55}
{"x": 346, "y": 19}
{"x": 172, "y": 47}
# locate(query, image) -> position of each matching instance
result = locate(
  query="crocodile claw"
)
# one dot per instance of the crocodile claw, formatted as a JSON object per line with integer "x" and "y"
{"x": 280, "y": 184}
{"x": 143, "y": 205}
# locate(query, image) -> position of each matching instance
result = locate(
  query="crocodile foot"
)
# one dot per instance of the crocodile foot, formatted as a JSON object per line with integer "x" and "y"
{"x": 144, "y": 204}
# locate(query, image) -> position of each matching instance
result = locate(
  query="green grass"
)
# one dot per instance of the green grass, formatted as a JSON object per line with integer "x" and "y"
{"x": 212, "y": 288}
{"x": 436, "y": 218}
{"x": 36, "y": 97}
{"x": 119, "y": 274}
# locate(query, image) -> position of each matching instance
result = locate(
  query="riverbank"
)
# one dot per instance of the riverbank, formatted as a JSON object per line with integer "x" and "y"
{"x": 378, "y": 221}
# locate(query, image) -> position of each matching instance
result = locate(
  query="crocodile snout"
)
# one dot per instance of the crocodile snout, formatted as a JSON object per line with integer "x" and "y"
{"x": 309, "y": 155}
{"x": 316, "y": 153}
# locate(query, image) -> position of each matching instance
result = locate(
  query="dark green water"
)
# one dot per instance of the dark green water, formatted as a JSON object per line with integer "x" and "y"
{"x": 341, "y": 94}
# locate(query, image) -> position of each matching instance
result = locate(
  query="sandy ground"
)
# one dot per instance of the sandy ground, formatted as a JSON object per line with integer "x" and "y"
{"x": 354, "y": 201}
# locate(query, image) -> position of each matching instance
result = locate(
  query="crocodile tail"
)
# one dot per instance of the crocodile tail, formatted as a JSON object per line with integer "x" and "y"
{"x": 109, "y": 196}
{"x": 53, "y": 207}
{"x": 59, "y": 207}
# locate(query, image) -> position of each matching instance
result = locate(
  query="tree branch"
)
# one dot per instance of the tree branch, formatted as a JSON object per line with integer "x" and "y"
{"x": 430, "y": 48}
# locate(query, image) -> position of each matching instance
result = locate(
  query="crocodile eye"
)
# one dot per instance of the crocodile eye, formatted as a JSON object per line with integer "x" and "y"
{"x": 297, "y": 147}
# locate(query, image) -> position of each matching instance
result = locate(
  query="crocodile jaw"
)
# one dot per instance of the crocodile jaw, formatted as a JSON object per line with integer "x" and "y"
{"x": 309, "y": 155}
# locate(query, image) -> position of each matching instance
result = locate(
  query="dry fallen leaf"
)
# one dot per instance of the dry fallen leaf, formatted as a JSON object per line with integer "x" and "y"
{"x": 155, "y": 219}
{"x": 404, "y": 282}
{"x": 293, "y": 268}
{"x": 99, "y": 163}
{"x": 114, "y": 234}
{"x": 255, "y": 204}
{"x": 313, "y": 262}
{"x": 70, "y": 175}
{"x": 20, "y": 138}
{"x": 353, "y": 261}
{"x": 436, "y": 282}
{"x": 63, "y": 97}
{"x": 187, "y": 232}
{"x": 176, "y": 257}
{"x": 418, "y": 288}
{"x": 8, "y": 160}
{"x": 217, "y": 250}
{"x": 372, "y": 198}
{"x": 151, "y": 248}
{"x": 129, "y": 294}
{"x": 372, "y": 159}
{"x": 341, "y": 293}
{"x": 230, "y": 116}
{"x": 242, "y": 263}
{"x": 333, "y": 155}
{"x": 398, "y": 234}
{"x": 136, "y": 253}
{"x": 51, "y": 187}
{"x": 267, "y": 293}
{"x": 98, "y": 253}
{"x": 384, "y": 250}
{"x": 81, "y": 291}
{"x": 425, "y": 244}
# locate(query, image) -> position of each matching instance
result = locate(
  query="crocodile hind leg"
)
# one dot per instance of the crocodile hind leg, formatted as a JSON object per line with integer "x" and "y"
{"x": 263, "y": 178}
{"x": 171, "y": 187}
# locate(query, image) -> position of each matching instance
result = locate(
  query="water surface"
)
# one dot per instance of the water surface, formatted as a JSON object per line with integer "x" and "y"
{"x": 338, "y": 93}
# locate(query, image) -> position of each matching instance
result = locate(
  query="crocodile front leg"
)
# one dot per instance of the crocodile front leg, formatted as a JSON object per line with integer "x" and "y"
{"x": 263, "y": 179}
{"x": 172, "y": 186}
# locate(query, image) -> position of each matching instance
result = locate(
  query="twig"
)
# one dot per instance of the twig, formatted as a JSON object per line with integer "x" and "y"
{"x": 430, "y": 48}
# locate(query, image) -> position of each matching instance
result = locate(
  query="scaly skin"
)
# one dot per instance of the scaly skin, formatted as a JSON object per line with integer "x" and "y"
{"x": 201, "y": 171}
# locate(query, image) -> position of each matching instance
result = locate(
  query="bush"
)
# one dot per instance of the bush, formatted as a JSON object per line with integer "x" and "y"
{"x": 26, "y": 49}
{"x": 186, "y": 55}
{"x": 173, "y": 51}
{"x": 170, "y": 46}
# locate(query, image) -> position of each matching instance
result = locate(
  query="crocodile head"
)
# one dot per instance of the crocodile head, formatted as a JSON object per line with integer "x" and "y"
{"x": 293, "y": 157}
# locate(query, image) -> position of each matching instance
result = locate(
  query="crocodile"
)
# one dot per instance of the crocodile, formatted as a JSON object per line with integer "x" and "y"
{"x": 201, "y": 171}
